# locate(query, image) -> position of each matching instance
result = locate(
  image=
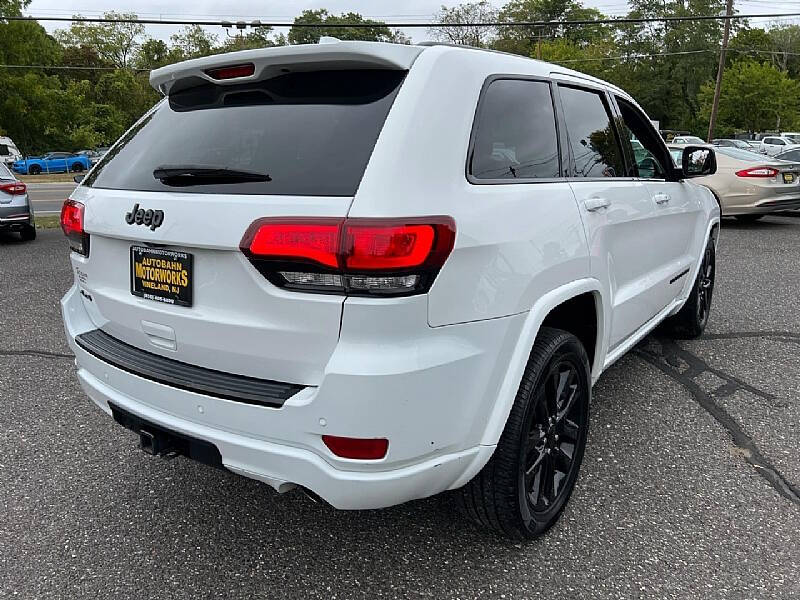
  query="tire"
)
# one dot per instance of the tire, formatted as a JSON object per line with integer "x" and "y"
{"x": 35, "y": 170}
{"x": 748, "y": 218}
{"x": 691, "y": 320}
{"x": 77, "y": 168}
{"x": 28, "y": 234}
{"x": 545, "y": 435}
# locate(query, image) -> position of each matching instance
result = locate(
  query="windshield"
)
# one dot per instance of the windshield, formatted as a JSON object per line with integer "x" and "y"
{"x": 689, "y": 139}
{"x": 312, "y": 133}
{"x": 792, "y": 137}
{"x": 740, "y": 154}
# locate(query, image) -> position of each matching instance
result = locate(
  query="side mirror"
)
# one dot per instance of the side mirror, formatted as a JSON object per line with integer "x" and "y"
{"x": 698, "y": 161}
{"x": 78, "y": 178}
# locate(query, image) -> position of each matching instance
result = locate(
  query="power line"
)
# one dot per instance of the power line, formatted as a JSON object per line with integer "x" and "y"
{"x": 581, "y": 22}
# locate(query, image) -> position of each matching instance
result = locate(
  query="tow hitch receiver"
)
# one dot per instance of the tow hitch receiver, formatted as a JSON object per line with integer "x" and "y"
{"x": 156, "y": 445}
{"x": 166, "y": 443}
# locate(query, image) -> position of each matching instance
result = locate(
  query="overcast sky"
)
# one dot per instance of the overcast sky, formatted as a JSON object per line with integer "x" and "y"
{"x": 286, "y": 10}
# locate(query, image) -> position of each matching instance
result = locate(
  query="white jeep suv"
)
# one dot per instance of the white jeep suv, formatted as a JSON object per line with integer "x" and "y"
{"x": 379, "y": 272}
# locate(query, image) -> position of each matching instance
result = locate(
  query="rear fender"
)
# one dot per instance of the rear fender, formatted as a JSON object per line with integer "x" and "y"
{"x": 497, "y": 418}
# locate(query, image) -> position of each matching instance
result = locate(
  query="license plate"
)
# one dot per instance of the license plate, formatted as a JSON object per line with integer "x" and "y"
{"x": 161, "y": 275}
{"x": 788, "y": 178}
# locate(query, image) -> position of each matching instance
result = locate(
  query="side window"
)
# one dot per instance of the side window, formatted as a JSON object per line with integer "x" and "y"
{"x": 4, "y": 150}
{"x": 648, "y": 150}
{"x": 595, "y": 147}
{"x": 779, "y": 142}
{"x": 515, "y": 134}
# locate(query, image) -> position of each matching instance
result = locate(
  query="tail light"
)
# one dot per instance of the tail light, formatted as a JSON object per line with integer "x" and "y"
{"x": 232, "y": 71}
{"x": 758, "y": 172}
{"x": 358, "y": 448}
{"x": 359, "y": 257}
{"x": 15, "y": 188}
{"x": 72, "y": 226}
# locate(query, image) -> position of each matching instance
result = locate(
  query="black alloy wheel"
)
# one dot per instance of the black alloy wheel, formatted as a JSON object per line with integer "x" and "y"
{"x": 523, "y": 489}
{"x": 705, "y": 285}
{"x": 556, "y": 421}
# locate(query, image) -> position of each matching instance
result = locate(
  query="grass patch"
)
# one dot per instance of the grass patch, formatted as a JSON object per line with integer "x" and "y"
{"x": 47, "y": 178}
{"x": 48, "y": 222}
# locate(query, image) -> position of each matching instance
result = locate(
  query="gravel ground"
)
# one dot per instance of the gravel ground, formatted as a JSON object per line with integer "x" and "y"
{"x": 688, "y": 489}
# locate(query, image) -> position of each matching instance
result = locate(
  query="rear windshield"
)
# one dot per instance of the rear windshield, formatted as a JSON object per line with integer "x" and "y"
{"x": 5, "y": 173}
{"x": 311, "y": 133}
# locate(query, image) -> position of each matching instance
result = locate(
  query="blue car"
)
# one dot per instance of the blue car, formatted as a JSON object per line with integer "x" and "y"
{"x": 54, "y": 162}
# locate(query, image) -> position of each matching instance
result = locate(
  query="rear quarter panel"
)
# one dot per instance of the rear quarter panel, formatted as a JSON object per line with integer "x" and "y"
{"x": 514, "y": 242}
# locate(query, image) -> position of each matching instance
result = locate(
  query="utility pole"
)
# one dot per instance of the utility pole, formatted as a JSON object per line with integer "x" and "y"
{"x": 715, "y": 106}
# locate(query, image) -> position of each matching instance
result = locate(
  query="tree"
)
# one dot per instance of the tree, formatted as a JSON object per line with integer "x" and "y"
{"x": 331, "y": 25}
{"x": 466, "y": 35}
{"x": 755, "y": 97}
{"x": 192, "y": 41}
{"x": 256, "y": 38}
{"x": 152, "y": 55}
{"x": 525, "y": 40}
{"x": 12, "y": 8}
{"x": 786, "y": 43}
{"x": 115, "y": 43}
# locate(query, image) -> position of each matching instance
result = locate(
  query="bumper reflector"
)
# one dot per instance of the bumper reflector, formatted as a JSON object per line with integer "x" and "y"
{"x": 358, "y": 448}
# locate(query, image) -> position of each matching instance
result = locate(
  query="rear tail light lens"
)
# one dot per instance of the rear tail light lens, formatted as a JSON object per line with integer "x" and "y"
{"x": 365, "y": 257}
{"x": 357, "y": 448}
{"x": 15, "y": 188}
{"x": 232, "y": 71}
{"x": 72, "y": 226}
{"x": 758, "y": 172}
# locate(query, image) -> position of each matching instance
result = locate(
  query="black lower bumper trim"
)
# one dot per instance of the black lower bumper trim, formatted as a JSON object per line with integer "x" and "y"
{"x": 228, "y": 386}
{"x": 170, "y": 441}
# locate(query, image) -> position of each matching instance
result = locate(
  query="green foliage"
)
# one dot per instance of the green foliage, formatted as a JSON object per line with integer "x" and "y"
{"x": 754, "y": 97}
{"x": 376, "y": 32}
{"x": 669, "y": 68}
{"x": 115, "y": 43}
{"x": 470, "y": 12}
{"x": 192, "y": 42}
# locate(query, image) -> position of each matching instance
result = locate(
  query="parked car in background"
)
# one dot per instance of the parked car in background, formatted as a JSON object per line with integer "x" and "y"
{"x": 687, "y": 139}
{"x": 54, "y": 162}
{"x": 775, "y": 144}
{"x": 9, "y": 153}
{"x": 731, "y": 143}
{"x": 792, "y": 135}
{"x": 99, "y": 153}
{"x": 749, "y": 185}
{"x": 16, "y": 212}
{"x": 421, "y": 303}
{"x": 790, "y": 155}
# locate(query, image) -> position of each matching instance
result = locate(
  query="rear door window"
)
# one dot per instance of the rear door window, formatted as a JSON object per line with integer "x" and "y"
{"x": 515, "y": 133}
{"x": 311, "y": 133}
{"x": 596, "y": 151}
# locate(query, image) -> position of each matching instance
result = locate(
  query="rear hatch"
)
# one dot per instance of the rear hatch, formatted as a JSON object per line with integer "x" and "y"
{"x": 168, "y": 206}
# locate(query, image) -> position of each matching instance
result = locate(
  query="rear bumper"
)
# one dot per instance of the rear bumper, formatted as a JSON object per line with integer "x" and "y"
{"x": 433, "y": 415}
{"x": 759, "y": 204}
{"x": 15, "y": 216}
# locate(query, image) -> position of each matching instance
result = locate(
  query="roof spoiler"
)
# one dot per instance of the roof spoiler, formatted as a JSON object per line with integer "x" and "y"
{"x": 330, "y": 53}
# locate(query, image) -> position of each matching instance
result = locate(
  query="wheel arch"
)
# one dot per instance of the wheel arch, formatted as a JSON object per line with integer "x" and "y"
{"x": 557, "y": 306}
{"x": 551, "y": 309}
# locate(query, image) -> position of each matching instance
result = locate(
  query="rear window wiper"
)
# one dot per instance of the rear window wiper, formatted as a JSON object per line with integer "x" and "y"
{"x": 186, "y": 175}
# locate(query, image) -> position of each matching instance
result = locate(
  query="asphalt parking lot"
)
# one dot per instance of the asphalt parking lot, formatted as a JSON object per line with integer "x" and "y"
{"x": 690, "y": 486}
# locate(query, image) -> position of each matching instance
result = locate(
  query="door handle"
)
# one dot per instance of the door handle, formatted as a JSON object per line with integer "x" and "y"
{"x": 661, "y": 198}
{"x": 593, "y": 204}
